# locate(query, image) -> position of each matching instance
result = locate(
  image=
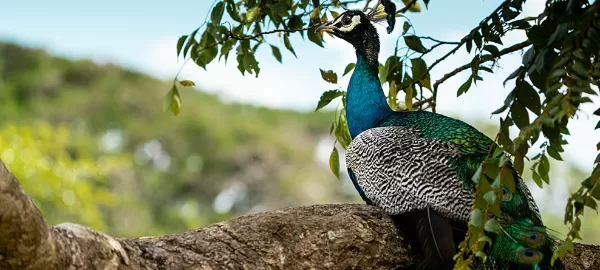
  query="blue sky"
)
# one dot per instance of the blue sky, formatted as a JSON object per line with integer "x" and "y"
{"x": 141, "y": 35}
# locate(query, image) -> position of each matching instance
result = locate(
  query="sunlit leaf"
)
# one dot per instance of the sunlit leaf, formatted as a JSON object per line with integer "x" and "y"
{"x": 217, "y": 13}
{"x": 334, "y": 162}
{"x": 327, "y": 97}
{"x": 329, "y": 76}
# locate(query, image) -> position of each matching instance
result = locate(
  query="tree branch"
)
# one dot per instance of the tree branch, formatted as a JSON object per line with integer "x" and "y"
{"x": 511, "y": 49}
{"x": 347, "y": 236}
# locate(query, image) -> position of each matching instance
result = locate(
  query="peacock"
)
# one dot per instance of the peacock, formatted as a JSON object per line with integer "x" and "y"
{"x": 417, "y": 166}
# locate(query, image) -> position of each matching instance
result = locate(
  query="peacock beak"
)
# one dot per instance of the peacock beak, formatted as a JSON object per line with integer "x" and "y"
{"x": 327, "y": 27}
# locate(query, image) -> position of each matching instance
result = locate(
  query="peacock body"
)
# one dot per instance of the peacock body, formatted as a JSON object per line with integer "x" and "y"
{"x": 417, "y": 167}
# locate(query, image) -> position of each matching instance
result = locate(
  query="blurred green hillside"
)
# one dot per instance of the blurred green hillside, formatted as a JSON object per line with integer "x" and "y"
{"x": 91, "y": 144}
{"x": 211, "y": 162}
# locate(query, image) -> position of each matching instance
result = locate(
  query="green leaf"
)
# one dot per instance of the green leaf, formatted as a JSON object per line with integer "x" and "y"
{"x": 476, "y": 218}
{"x": 217, "y": 13}
{"x": 464, "y": 87}
{"x": 477, "y": 39}
{"x": 537, "y": 179}
{"x": 315, "y": 37}
{"x": 553, "y": 153}
{"x": 173, "y": 101}
{"x": 180, "y": 43}
{"x": 288, "y": 45}
{"x": 490, "y": 197}
{"x": 414, "y": 43}
{"x": 492, "y": 49}
{"x": 252, "y": 13}
{"x": 405, "y": 27}
{"x": 529, "y": 97}
{"x": 251, "y": 64}
{"x": 349, "y": 68}
{"x": 492, "y": 225}
{"x": 334, "y": 162}
{"x": 191, "y": 42}
{"x": 329, "y": 76}
{"x": 485, "y": 238}
{"x": 276, "y": 53}
{"x": 206, "y": 51}
{"x": 233, "y": 11}
{"x": 419, "y": 68}
{"x": 481, "y": 254}
{"x": 519, "y": 114}
{"x": 327, "y": 97}
{"x": 508, "y": 14}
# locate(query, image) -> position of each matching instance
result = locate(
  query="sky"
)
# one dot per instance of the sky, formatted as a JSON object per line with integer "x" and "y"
{"x": 141, "y": 35}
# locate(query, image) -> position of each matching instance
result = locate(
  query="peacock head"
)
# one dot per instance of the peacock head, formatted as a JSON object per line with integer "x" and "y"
{"x": 352, "y": 26}
{"x": 356, "y": 28}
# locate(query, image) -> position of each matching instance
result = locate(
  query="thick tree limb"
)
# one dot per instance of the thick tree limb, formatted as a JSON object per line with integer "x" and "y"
{"x": 314, "y": 237}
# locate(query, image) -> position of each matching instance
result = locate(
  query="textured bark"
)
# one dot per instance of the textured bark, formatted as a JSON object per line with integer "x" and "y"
{"x": 315, "y": 237}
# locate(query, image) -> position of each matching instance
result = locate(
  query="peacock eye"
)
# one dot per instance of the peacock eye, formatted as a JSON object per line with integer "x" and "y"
{"x": 506, "y": 195}
{"x": 529, "y": 256}
{"x": 346, "y": 20}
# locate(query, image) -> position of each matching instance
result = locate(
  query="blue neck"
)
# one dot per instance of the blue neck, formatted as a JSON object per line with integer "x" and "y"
{"x": 365, "y": 101}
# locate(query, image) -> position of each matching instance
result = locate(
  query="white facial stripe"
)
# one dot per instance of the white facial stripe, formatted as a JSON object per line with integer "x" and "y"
{"x": 354, "y": 23}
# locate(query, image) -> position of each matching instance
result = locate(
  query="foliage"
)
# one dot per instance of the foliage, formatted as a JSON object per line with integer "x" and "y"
{"x": 559, "y": 72}
{"x": 57, "y": 169}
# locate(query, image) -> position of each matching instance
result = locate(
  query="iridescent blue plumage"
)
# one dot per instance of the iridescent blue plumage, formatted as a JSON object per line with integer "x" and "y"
{"x": 417, "y": 167}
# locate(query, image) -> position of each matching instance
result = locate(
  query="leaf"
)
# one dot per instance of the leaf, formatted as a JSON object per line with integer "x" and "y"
{"x": 173, "y": 101}
{"x": 327, "y": 97}
{"x": 349, "y": 68}
{"x": 288, "y": 45}
{"x": 519, "y": 115}
{"x": 476, "y": 218}
{"x": 217, "y": 13}
{"x": 180, "y": 43}
{"x": 315, "y": 37}
{"x": 419, "y": 68}
{"x": 187, "y": 83}
{"x": 492, "y": 225}
{"x": 553, "y": 153}
{"x": 464, "y": 87}
{"x": 334, "y": 162}
{"x": 490, "y": 197}
{"x": 405, "y": 27}
{"x": 276, "y": 53}
{"x": 529, "y": 97}
{"x": 485, "y": 238}
{"x": 508, "y": 14}
{"x": 252, "y": 13}
{"x": 233, "y": 11}
{"x": 329, "y": 76}
{"x": 408, "y": 97}
{"x": 206, "y": 51}
{"x": 520, "y": 24}
{"x": 492, "y": 49}
{"x": 250, "y": 64}
{"x": 414, "y": 43}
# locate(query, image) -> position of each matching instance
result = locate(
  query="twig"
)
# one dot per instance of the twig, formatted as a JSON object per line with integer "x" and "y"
{"x": 508, "y": 50}
{"x": 231, "y": 35}
{"x": 366, "y": 5}
{"x": 441, "y": 41}
{"x": 465, "y": 38}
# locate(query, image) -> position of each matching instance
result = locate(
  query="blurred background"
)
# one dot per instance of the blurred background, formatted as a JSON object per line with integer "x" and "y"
{"x": 82, "y": 126}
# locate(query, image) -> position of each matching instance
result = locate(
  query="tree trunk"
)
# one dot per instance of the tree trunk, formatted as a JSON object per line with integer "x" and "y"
{"x": 347, "y": 236}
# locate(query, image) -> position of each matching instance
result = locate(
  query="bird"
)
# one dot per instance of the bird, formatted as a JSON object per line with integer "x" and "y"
{"x": 417, "y": 166}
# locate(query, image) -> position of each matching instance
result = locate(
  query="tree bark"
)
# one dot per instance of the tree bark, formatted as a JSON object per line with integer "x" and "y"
{"x": 349, "y": 236}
